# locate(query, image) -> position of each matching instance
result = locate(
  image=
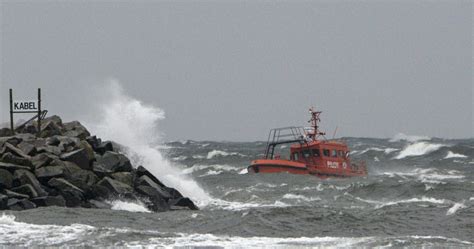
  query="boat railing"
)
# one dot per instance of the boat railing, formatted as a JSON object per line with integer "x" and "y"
{"x": 284, "y": 135}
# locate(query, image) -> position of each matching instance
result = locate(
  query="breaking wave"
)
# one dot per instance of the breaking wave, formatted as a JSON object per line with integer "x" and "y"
{"x": 131, "y": 206}
{"x": 418, "y": 149}
{"x": 217, "y": 153}
{"x": 134, "y": 124}
{"x": 454, "y": 155}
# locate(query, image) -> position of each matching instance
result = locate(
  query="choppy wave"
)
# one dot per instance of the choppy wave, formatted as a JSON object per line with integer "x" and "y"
{"x": 454, "y": 155}
{"x": 409, "y": 138}
{"x": 131, "y": 206}
{"x": 418, "y": 149}
{"x": 217, "y": 153}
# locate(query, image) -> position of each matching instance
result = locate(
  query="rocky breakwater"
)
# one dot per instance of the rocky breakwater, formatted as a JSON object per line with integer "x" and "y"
{"x": 65, "y": 166}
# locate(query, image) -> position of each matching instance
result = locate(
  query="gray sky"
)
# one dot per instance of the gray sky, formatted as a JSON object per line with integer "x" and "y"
{"x": 231, "y": 70}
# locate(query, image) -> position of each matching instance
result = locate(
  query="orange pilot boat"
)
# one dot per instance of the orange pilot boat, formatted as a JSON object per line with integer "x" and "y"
{"x": 308, "y": 153}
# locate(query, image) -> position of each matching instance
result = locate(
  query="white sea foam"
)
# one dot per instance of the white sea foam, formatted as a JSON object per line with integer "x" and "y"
{"x": 418, "y": 149}
{"x": 409, "y": 138}
{"x": 455, "y": 208}
{"x": 243, "y": 171}
{"x": 301, "y": 197}
{"x": 135, "y": 125}
{"x": 429, "y": 175}
{"x": 217, "y": 153}
{"x": 454, "y": 155}
{"x": 381, "y": 204}
{"x": 19, "y": 233}
{"x": 215, "y": 167}
{"x": 131, "y": 206}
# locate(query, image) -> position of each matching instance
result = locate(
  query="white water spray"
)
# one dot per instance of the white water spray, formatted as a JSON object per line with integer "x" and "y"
{"x": 133, "y": 124}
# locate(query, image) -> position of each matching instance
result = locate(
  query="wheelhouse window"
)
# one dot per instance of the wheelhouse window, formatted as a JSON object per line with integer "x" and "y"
{"x": 326, "y": 153}
{"x": 306, "y": 153}
{"x": 316, "y": 153}
{"x": 334, "y": 153}
{"x": 295, "y": 156}
{"x": 341, "y": 153}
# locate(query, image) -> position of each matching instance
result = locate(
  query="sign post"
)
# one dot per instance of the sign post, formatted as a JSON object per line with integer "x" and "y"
{"x": 26, "y": 106}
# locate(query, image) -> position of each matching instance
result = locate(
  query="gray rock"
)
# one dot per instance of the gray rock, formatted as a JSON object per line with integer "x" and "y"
{"x": 183, "y": 202}
{"x": 26, "y": 204}
{"x": 45, "y": 173}
{"x": 146, "y": 181}
{"x": 5, "y": 132}
{"x": 27, "y": 147}
{"x": 88, "y": 148}
{"x": 49, "y": 128}
{"x": 73, "y": 195}
{"x": 49, "y": 149}
{"x": 12, "y": 194}
{"x": 68, "y": 143}
{"x": 156, "y": 201}
{"x": 124, "y": 177}
{"x": 26, "y": 189}
{"x": 26, "y": 177}
{"x": 47, "y": 201}
{"x": 101, "y": 170}
{"x": 41, "y": 160}
{"x": 14, "y": 150}
{"x": 83, "y": 179}
{"x": 6, "y": 179}
{"x": 115, "y": 187}
{"x": 141, "y": 171}
{"x": 79, "y": 157}
{"x": 3, "y": 202}
{"x": 99, "y": 204}
{"x": 12, "y": 167}
{"x": 115, "y": 162}
{"x": 104, "y": 147}
{"x": 76, "y": 129}
{"x": 175, "y": 194}
{"x": 13, "y": 204}
{"x": 10, "y": 158}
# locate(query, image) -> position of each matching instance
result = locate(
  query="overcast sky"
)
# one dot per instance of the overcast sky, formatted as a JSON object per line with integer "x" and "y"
{"x": 231, "y": 70}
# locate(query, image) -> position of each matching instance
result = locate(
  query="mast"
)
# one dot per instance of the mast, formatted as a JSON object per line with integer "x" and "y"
{"x": 314, "y": 124}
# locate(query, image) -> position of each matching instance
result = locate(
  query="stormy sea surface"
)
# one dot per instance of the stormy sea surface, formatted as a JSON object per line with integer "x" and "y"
{"x": 419, "y": 192}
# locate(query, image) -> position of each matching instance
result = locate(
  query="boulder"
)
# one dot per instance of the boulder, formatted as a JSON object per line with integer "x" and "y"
{"x": 141, "y": 171}
{"x": 41, "y": 160}
{"x": 12, "y": 194}
{"x": 45, "y": 173}
{"x": 49, "y": 128}
{"x": 12, "y": 167}
{"x": 175, "y": 194}
{"x": 49, "y": 149}
{"x": 6, "y": 179}
{"x": 124, "y": 177}
{"x": 5, "y": 132}
{"x": 183, "y": 202}
{"x": 3, "y": 202}
{"x": 98, "y": 192}
{"x": 72, "y": 194}
{"x": 100, "y": 169}
{"x": 68, "y": 144}
{"x": 83, "y": 179}
{"x": 27, "y": 147}
{"x": 21, "y": 177}
{"x": 26, "y": 189}
{"x": 10, "y": 158}
{"x": 146, "y": 181}
{"x": 115, "y": 162}
{"x": 156, "y": 201}
{"x": 14, "y": 150}
{"x": 13, "y": 204}
{"x": 104, "y": 147}
{"x": 30, "y": 129}
{"x": 47, "y": 201}
{"x": 99, "y": 204}
{"x": 93, "y": 141}
{"x": 79, "y": 157}
{"x": 88, "y": 148}
{"x": 115, "y": 187}
{"x": 76, "y": 129}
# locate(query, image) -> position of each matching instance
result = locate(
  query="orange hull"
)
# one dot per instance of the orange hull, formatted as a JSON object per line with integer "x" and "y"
{"x": 292, "y": 167}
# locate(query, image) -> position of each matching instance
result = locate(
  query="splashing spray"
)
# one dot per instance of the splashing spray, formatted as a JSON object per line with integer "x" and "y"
{"x": 134, "y": 124}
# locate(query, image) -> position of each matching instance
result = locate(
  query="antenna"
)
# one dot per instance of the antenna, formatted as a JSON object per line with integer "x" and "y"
{"x": 335, "y": 130}
{"x": 314, "y": 124}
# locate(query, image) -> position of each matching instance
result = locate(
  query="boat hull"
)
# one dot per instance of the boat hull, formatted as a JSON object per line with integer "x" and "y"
{"x": 287, "y": 166}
